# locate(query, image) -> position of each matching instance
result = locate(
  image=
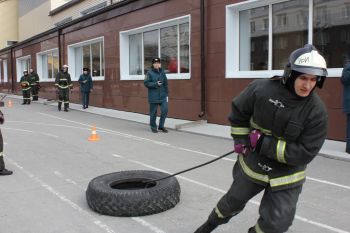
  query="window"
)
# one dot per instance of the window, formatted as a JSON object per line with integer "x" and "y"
{"x": 331, "y": 31}
{"x": 0, "y": 72}
{"x": 88, "y": 54}
{"x": 22, "y": 63}
{"x": 281, "y": 27}
{"x": 169, "y": 40}
{"x": 5, "y": 72}
{"x": 47, "y": 65}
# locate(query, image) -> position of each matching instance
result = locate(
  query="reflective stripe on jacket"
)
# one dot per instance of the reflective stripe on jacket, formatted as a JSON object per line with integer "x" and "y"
{"x": 295, "y": 129}
{"x": 25, "y": 84}
{"x": 63, "y": 80}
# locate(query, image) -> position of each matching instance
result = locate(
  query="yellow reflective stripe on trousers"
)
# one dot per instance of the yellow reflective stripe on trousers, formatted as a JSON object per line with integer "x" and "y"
{"x": 258, "y": 229}
{"x": 249, "y": 172}
{"x": 256, "y": 126}
{"x": 218, "y": 213}
{"x": 284, "y": 180}
{"x": 240, "y": 130}
{"x": 63, "y": 87}
{"x": 280, "y": 150}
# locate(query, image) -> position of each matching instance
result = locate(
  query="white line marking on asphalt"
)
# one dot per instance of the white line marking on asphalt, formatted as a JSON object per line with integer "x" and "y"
{"x": 50, "y": 135}
{"x": 179, "y": 148}
{"x": 22, "y": 130}
{"x": 147, "y": 224}
{"x": 47, "y": 124}
{"x": 137, "y": 219}
{"x": 327, "y": 182}
{"x": 63, "y": 198}
{"x": 321, "y": 225}
{"x": 118, "y": 156}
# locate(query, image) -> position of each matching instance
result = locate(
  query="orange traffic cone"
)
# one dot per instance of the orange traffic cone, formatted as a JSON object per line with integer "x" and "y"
{"x": 94, "y": 136}
{"x": 9, "y": 104}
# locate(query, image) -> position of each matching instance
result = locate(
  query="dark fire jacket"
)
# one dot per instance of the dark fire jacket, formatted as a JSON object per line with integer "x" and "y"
{"x": 295, "y": 129}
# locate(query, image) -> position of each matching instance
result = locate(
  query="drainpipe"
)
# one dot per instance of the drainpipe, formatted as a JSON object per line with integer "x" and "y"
{"x": 203, "y": 113}
{"x": 12, "y": 73}
{"x": 59, "y": 32}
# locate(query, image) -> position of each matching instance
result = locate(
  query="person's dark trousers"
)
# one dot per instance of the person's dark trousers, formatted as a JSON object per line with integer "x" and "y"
{"x": 86, "y": 96}
{"x": 348, "y": 133}
{"x": 2, "y": 163}
{"x": 277, "y": 208}
{"x": 153, "y": 114}
{"x": 26, "y": 96}
{"x": 63, "y": 96}
{"x": 35, "y": 91}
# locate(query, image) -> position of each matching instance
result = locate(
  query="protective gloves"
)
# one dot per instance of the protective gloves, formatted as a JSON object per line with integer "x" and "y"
{"x": 256, "y": 139}
{"x": 241, "y": 145}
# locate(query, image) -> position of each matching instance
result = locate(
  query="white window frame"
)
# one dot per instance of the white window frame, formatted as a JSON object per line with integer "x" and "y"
{"x": 71, "y": 58}
{"x": 124, "y": 47}
{"x": 19, "y": 66}
{"x": 39, "y": 64}
{"x": 232, "y": 40}
{"x": 5, "y": 70}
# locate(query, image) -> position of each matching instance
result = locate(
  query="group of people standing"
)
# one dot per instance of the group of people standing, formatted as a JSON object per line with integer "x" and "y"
{"x": 30, "y": 87}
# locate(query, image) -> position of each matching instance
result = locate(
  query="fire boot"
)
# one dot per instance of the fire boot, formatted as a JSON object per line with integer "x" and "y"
{"x": 205, "y": 228}
{"x": 251, "y": 230}
{"x": 5, "y": 172}
{"x": 66, "y": 107}
{"x": 59, "y": 105}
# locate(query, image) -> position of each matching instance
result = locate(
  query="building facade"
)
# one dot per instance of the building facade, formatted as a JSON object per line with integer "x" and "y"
{"x": 8, "y": 22}
{"x": 210, "y": 50}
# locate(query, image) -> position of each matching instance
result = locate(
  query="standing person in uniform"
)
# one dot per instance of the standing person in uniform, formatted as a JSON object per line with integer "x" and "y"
{"x": 86, "y": 85}
{"x": 64, "y": 84}
{"x": 25, "y": 85}
{"x": 3, "y": 170}
{"x": 279, "y": 125}
{"x": 157, "y": 84}
{"x": 345, "y": 80}
{"x": 34, "y": 83}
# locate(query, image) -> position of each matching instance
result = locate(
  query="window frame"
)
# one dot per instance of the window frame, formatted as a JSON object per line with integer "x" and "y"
{"x": 5, "y": 70}
{"x": 39, "y": 67}
{"x": 232, "y": 35}
{"x": 19, "y": 72}
{"x": 124, "y": 47}
{"x": 71, "y": 58}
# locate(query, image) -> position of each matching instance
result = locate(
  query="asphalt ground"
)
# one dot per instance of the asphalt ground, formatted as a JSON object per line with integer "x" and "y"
{"x": 53, "y": 163}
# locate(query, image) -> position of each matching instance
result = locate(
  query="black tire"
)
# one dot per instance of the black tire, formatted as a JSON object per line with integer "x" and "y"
{"x": 124, "y": 193}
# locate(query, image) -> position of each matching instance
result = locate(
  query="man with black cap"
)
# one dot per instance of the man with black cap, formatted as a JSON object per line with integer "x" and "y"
{"x": 85, "y": 81}
{"x": 157, "y": 84}
{"x": 63, "y": 83}
{"x": 25, "y": 85}
{"x": 278, "y": 126}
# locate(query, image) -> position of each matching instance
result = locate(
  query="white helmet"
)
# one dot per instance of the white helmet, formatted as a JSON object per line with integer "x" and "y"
{"x": 306, "y": 60}
{"x": 65, "y": 66}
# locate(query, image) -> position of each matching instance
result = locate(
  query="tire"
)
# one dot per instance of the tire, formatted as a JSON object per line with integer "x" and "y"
{"x": 124, "y": 193}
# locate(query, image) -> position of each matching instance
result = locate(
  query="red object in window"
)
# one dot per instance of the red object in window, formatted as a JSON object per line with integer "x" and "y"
{"x": 172, "y": 67}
